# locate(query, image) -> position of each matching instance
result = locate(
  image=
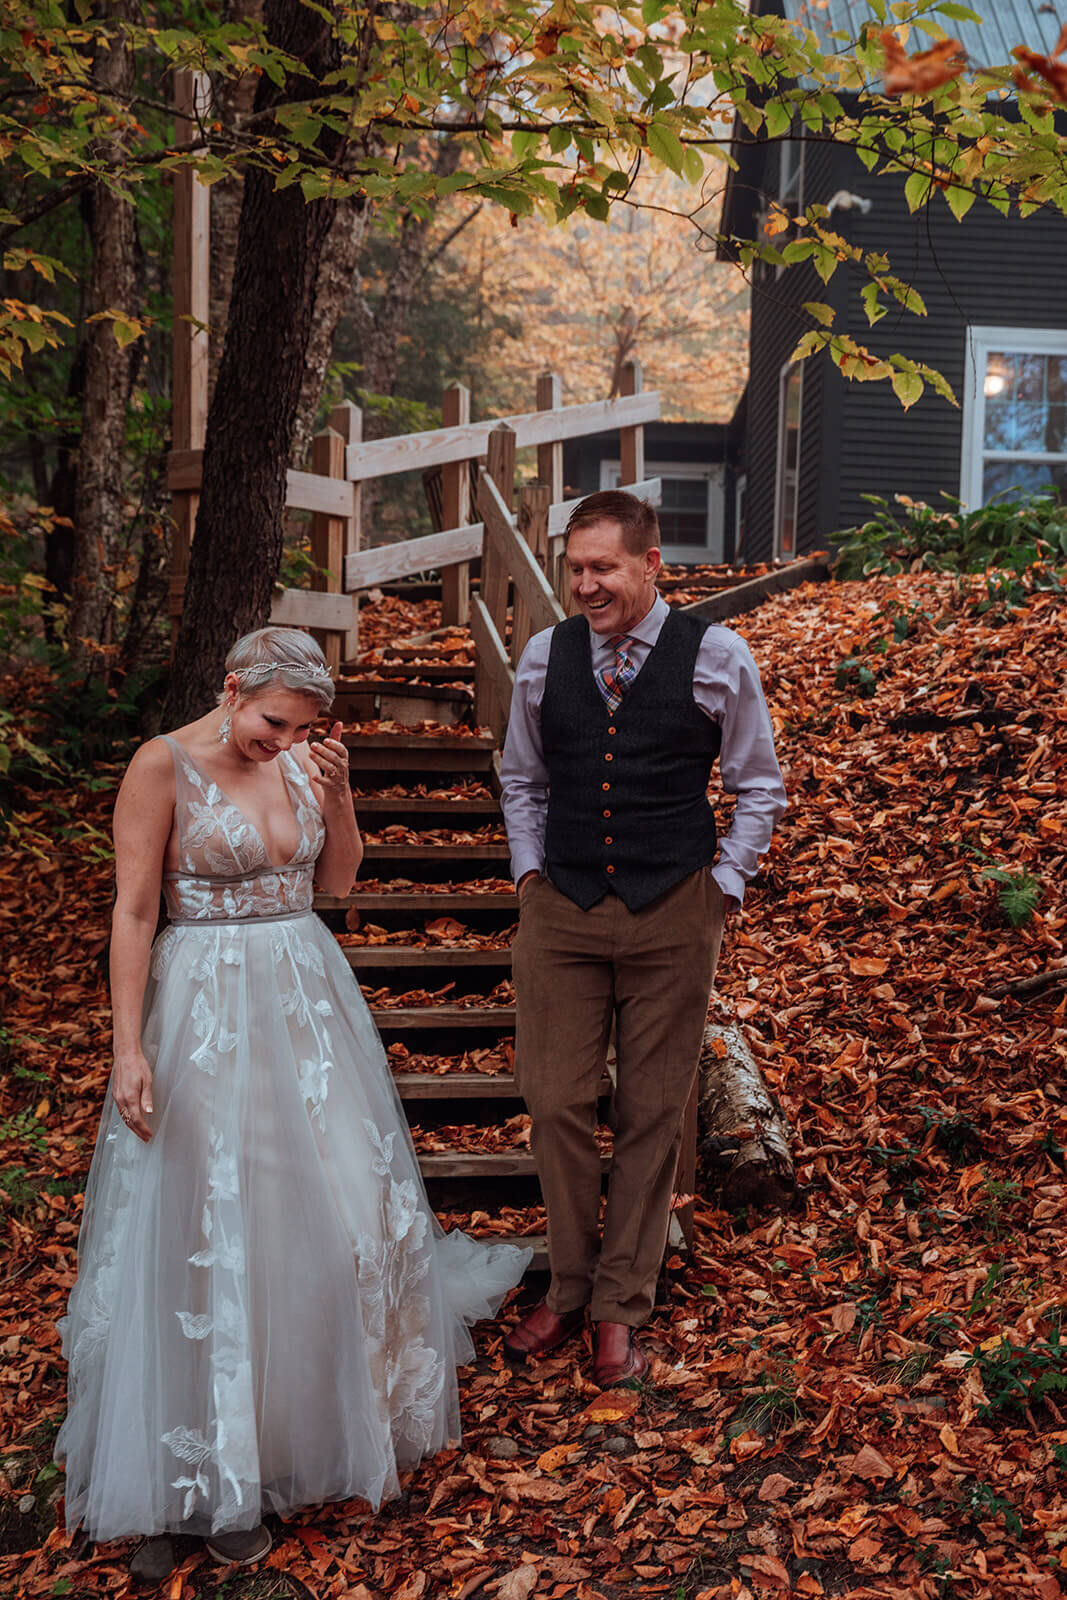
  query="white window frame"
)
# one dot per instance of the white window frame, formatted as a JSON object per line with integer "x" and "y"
{"x": 788, "y": 370}
{"x": 793, "y": 149}
{"x": 686, "y": 555}
{"x": 980, "y": 341}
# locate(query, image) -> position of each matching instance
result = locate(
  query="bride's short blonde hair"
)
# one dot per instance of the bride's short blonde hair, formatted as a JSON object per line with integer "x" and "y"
{"x": 286, "y": 658}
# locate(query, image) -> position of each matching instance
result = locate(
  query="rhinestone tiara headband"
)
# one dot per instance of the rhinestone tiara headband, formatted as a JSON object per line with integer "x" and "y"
{"x": 265, "y": 669}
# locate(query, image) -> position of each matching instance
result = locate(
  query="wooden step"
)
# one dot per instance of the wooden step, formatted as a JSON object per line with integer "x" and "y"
{"x": 402, "y": 1019}
{"x": 419, "y": 752}
{"x": 401, "y": 957}
{"x": 415, "y": 903}
{"x": 402, "y": 701}
{"x": 414, "y": 673}
{"x": 416, "y": 809}
{"x": 497, "y": 1164}
{"x": 432, "y": 650}
{"x": 465, "y": 1086}
{"x": 416, "y": 854}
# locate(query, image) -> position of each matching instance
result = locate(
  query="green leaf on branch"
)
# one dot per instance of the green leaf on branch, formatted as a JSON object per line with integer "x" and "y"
{"x": 666, "y": 146}
{"x": 871, "y": 303}
{"x": 908, "y": 387}
{"x": 959, "y": 200}
{"x": 778, "y": 117}
{"x": 820, "y": 311}
{"x": 808, "y": 344}
{"x": 917, "y": 190}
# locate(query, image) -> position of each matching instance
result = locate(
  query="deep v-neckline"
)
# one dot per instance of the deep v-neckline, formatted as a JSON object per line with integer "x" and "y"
{"x": 301, "y": 835}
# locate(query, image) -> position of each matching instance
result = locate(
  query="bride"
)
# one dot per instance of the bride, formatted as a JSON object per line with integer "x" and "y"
{"x": 267, "y": 1315}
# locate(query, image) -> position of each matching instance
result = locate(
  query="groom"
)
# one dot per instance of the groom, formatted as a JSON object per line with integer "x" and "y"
{"x": 617, "y": 717}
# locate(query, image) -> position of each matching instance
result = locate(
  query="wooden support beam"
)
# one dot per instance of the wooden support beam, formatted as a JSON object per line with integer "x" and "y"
{"x": 379, "y": 457}
{"x": 550, "y": 454}
{"x": 632, "y": 439}
{"x": 328, "y": 539}
{"x": 533, "y": 527}
{"x": 455, "y": 509}
{"x": 491, "y": 703}
{"x": 493, "y": 663}
{"x": 347, "y": 420}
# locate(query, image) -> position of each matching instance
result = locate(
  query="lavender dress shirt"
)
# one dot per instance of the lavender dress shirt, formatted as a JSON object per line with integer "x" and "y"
{"x": 726, "y": 687}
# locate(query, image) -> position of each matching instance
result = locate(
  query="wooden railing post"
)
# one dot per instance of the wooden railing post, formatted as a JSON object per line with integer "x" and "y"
{"x": 328, "y": 539}
{"x": 632, "y": 440}
{"x": 192, "y": 225}
{"x": 500, "y": 466}
{"x": 455, "y": 510}
{"x": 550, "y": 456}
{"x": 347, "y": 420}
{"x": 533, "y": 526}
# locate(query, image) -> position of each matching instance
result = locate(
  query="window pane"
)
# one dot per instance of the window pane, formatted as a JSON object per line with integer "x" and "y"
{"x": 683, "y": 513}
{"x": 1030, "y": 378}
{"x": 1029, "y": 426}
{"x": 1009, "y": 478}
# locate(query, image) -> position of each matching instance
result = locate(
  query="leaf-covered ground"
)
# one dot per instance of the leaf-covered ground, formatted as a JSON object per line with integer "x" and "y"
{"x": 865, "y": 1397}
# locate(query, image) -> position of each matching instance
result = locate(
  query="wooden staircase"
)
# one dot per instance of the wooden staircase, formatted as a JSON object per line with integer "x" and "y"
{"x": 428, "y": 929}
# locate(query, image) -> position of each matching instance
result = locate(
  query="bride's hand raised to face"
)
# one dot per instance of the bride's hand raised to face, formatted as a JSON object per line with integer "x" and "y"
{"x": 331, "y": 758}
{"x": 131, "y": 1090}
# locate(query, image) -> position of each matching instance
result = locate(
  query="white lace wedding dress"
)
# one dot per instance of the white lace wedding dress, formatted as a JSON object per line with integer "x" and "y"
{"x": 267, "y": 1314}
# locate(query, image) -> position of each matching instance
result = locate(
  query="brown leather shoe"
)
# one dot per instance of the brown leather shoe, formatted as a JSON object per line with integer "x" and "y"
{"x": 541, "y": 1331}
{"x": 617, "y": 1356}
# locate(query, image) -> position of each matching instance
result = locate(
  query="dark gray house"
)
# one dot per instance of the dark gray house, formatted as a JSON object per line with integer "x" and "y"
{"x": 995, "y": 290}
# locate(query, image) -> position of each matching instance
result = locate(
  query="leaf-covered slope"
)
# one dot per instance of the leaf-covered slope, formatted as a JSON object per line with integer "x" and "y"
{"x": 860, "y": 1398}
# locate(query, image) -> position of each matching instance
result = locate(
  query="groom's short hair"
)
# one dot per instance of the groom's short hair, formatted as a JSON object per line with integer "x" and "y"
{"x": 636, "y": 518}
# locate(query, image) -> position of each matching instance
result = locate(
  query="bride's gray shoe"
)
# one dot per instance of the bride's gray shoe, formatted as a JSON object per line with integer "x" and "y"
{"x": 154, "y": 1560}
{"x": 241, "y": 1548}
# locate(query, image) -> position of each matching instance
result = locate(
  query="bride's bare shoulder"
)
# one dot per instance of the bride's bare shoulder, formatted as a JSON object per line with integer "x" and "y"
{"x": 151, "y": 769}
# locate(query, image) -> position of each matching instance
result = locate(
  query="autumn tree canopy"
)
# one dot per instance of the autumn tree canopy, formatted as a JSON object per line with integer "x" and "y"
{"x": 559, "y": 112}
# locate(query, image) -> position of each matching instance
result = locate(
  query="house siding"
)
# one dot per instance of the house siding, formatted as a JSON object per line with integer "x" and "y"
{"x": 987, "y": 269}
{"x": 855, "y": 438}
{"x": 777, "y": 324}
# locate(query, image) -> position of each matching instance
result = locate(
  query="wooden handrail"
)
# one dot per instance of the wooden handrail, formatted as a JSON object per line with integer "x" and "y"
{"x": 380, "y": 457}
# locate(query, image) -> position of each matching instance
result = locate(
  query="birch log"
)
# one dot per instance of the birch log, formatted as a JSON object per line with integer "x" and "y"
{"x": 744, "y": 1134}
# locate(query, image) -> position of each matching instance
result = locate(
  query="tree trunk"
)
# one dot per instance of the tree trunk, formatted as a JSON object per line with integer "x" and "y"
{"x": 99, "y": 522}
{"x": 337, "y": 268}
{"x": 234, "y": 98}
{"x": 238, "y": 545}
{"x": 744, "y": 1132}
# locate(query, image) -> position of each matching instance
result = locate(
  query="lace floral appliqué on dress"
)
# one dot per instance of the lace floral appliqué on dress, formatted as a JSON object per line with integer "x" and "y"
{"x": 267, "y": 1314}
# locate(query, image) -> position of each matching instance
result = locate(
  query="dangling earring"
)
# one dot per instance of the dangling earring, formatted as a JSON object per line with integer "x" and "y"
{"x": 223, "y": 734}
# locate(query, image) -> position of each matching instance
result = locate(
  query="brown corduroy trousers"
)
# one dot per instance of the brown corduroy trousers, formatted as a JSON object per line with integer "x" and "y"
{"x": 574, "y": 970}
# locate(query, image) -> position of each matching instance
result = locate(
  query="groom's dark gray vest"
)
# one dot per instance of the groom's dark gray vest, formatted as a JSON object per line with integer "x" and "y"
{"x": 627, "y": 806}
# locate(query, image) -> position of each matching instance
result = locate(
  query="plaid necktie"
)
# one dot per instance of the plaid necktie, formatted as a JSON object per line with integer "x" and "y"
{"x": 613, "y": 682}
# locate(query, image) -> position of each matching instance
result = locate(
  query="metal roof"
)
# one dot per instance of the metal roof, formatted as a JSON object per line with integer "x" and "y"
{"x": 1005, "y": 23}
